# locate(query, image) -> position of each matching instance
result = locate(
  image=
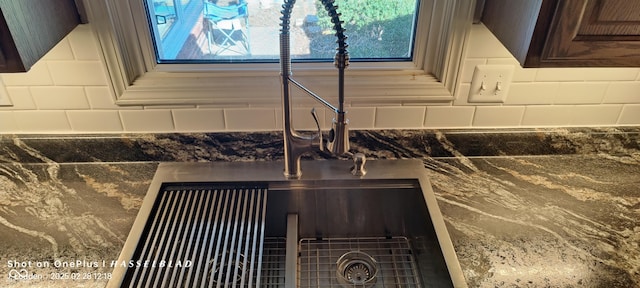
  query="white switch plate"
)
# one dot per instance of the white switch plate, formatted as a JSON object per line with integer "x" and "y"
{"x": 490, "y": 83}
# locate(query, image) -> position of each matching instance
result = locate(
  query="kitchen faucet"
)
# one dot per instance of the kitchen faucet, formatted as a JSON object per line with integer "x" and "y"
{"x": 296, "y": 144}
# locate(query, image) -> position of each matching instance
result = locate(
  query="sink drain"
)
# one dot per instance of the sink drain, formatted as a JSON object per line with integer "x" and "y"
{"x": 357, "y": 269}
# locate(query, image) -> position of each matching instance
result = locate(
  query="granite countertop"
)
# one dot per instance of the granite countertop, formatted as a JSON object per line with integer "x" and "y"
{"x": 524, "y": 208}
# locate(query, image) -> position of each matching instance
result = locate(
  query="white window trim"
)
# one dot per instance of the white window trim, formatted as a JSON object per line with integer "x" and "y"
{"x": 137, "y": 80}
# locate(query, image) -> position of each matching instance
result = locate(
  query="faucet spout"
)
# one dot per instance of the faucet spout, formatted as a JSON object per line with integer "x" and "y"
{"x": 295, "y": 144}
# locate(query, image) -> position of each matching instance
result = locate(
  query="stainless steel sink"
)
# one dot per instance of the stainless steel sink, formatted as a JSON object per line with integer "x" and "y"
{"x": 246, "y": 225}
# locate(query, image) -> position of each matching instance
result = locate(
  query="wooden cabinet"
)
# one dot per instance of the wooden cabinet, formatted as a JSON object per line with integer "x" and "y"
{"x": 30, "y": 28}
{"x": 567, "y": 33}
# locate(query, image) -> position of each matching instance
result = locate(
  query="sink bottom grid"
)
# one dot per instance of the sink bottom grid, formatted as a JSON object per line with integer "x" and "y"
{"x": 318, "y": 261}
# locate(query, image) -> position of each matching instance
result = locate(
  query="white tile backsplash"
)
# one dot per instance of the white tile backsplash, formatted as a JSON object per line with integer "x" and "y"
{"x": 449, "y": 116}
{"x": 469, "y": 67}
{"x": 62, "y": 51}
{"x": 250, "y": 119}
{"x": 483, "y": 44}
{"x": 591, "y": 115}
{"x": 581, "y": 92}
{"x": 59, "y": 97}
{"x": 67, "y": 91}
{"x": 78, "y": 73}
{"x": 519, "y": 74}
{"x": 20, "y": 98}
{"x": 91, "y": 120}
{"x": 361, "y": 117}
{"x": 147, "y": 120}
{"x": 498, "y": 116}
{"x": 101, "y": 97}
{"x": 7, "y": 122}
{"x": 199, "y": 120}
{"x": 38, "y": 76}
{"x": 532, "y": 93}
{"x": 548, "y": 115}
{"x": 586, "y": 74}
{"x": 623, "y": 92}
{"x": 83, "y": 44}
{"x": 36, "y": 121}
{"x": 630, "y": 115}
{"x": 399, "y": 117}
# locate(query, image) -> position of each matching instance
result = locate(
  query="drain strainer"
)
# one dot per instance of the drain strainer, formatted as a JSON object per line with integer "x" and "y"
{"x": 357, "y": 269}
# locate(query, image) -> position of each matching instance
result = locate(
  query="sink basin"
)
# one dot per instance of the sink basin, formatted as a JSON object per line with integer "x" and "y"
{"x": 245, "y": 225}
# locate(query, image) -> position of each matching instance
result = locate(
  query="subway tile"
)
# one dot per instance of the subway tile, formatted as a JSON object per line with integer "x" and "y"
{"x": 612, "y": 74}
{"x": 21, "y": 98}
{"x": 59, "y": 97}
{"x": 559, "y": 115}
{"x": 562, "y": 74}
{"x": 250, "y": 119}
{"x": 461, "y": 95}
{"x": 225, "y": 105}
{"x": 532, "y": 93}
{"x": 399, "y": 117}
{"x": 595, "y": 115}
{"x": 302, "y": 119}
{"x": 5, "y": 101}
{"x": 630, "y": 115}
{"x": 100, "y": 97}
{"x": 448, "y": 116}
{"x": 498, "y": 116}
{"x": 95, "y": 121}
{"x": 39, "y": 121}
{"x": 485, "y": 44}
{"x": 466, "y": 73}
{"x": 198, "y": 120}
{"x": 361, "y": 117}
{"x": 8, "y": 123}
{"x": 581, "y": 92}
{"x": 147, "y": 120}
{"x": 77, "y": 73}
{"x": 62, "y": 51}
{"x": 83, "y": 43}
{"x": 279, "y": 125}
{"x": 330, "y": 115}
{"x": 623, "y": 92}
{"x": 586, "y": 74}
{"x": 519, "y": 74}
{"x": 4, "y": 95}
{"x": 169, "y": 107}
{"x": 38, "y": 75}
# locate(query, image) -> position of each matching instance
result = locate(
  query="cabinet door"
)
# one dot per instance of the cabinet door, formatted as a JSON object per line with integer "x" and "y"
{"x": 30, "y": 28}
{"x": 594, "y": 33}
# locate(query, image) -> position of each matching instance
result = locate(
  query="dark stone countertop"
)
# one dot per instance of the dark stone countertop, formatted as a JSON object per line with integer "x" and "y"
{"x": 524, "y": 208}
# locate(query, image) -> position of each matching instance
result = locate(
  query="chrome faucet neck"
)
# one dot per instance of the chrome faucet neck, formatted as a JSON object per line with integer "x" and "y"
{"x": 295, "y": 144}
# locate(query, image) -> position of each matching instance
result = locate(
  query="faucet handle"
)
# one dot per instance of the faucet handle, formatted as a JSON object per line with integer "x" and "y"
{"x": 359, "y": 159}
{"x": 314, "y": 114}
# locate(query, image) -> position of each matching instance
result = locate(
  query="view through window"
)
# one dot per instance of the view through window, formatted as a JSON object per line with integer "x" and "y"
{"x": 187, "y": 31}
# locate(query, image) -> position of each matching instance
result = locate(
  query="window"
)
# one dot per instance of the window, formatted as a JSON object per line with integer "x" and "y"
{"x": 247, "y": 30}
{"x": 423, "y": 71}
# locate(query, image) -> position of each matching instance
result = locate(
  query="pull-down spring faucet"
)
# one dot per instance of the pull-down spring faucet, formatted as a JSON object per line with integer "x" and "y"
{"x": 294, "y": 143}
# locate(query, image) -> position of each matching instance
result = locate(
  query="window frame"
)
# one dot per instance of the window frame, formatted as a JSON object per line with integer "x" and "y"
{"x": 136, "y": 78}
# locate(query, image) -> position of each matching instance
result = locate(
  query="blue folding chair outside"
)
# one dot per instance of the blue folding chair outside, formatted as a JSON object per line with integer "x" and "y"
{"x": 227, "y": 27}
{"x": 163, "y": 12}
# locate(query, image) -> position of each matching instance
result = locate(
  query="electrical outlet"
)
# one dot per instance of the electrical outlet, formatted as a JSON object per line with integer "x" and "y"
{"x": 490, "y": 83}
